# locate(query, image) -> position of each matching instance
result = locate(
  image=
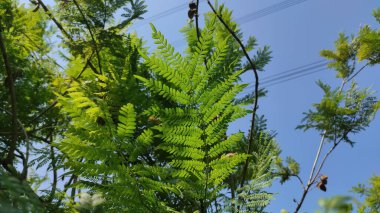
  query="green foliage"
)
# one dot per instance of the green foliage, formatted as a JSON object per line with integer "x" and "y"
{"x": 253, "y": 196}
{"x": 342, "y": 204}
{"x": 371, "y": 195}
{"x": 341, "y": 57}
{"x": 193, "y": 129}
{"x": 340, "y": 113}
{"x": 24, "y": 34}
{"x": 147, "y": 132}
{"x": 17, "y": 196}
{"x": 337, "y": 204}
{"x": 198, "y": 91}
{"x": 32, "y": 71}
{"x": 363, "y": 47}
{"x": 285, "y": 172}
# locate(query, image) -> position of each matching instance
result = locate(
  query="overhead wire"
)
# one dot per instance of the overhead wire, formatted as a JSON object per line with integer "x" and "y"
{"x": 242, "y": 20}
{"x": 268, "y": 10}
{"x": 295, "y": 77}
{"x": 305, "y": 73}
{"x": 268, "y": 81}
{"x": 163, "y": 14}
{"x": 249, "y": 17}
{"x": 291, "y": 74}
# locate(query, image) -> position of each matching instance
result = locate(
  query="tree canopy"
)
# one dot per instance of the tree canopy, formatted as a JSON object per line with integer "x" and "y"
{"x": 122, "y": 128}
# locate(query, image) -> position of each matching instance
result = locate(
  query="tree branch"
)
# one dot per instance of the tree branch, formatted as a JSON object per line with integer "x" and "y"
{"x": 25, "y": 159}
{"x": 55, "y": 176}
{"x": 325, "y": 158}
{"x": 255, "y": 104}
{"x": 313, "y": 177}
{"x": 317, "y": 157}
{"x": 64, "y": 93}
{"x": 197, "y": 21}
{"x": 361, "y": 69}
{"x": 64, "y": 32}
{"x": 59, "y": 25}
{"x": 12, "y": 93}
{"x": 91, "y": 34}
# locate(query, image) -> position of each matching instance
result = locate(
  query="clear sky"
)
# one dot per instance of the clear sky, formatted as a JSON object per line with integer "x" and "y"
{"x": 296, "y": 35}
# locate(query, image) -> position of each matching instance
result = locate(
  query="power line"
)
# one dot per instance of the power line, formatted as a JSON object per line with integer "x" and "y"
{"x": 163, "y": 14}
{"x": 268, "y": 10}
{"x": 260, "y": 13}
{"x": 292, "y": 74}
{"x": 317, "y": 63}
{"x": 295, "y": 77}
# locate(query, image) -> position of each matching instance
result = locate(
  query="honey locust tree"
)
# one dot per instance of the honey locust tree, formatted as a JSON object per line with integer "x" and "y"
{"x": 31, "y": 80}
{"x": 343, "y": 111}
{"x": 26, "y": 72}
{"x": 153, "y": 137}
{"x": 119, "y": 128}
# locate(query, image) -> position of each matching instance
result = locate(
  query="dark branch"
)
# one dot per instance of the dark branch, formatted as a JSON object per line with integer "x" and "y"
{"x": 54, "y": 168}
{"x": 64, "y": 32}
{"x": 197, "y": 20}
{"x": 56, "y": 101}
{"x": 91, "y": 34}
{"x": 12, "y": 93}
{"x": 255, "y": 104}
{"x": 25, "y": 159}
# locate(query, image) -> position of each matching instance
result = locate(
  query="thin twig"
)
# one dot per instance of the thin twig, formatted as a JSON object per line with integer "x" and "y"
{"x": 55, "y": 175}
{"x": 197, "y": 21}
{"x": 64, "y": 32}
{"x": 51, "y": 106}
{"x": 313, "y": 177}
{"x": 250, "y": 139}
{"x": 326, "y": 156}
{"x": 12, "y": 93}
{"x": 25, "y": 159}
{"x": 91, "y": 34}
{"x": 66, "y": 187}
{"x": 354, "y": 75}
{"x": 317, "y": 157}
{"x": 59, "y": 25}
{"x": 300, "y": 180}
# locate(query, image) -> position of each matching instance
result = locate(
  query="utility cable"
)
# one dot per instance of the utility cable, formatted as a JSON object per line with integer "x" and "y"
{"x": 163, "y": 14}
{"x": 258, "y": 14}
{"x": 268, "y": 10}
{"x": 292, "y": 74}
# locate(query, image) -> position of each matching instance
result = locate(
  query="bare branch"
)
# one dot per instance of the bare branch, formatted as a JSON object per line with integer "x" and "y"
{"x": 317, "y": 157}
{"x": 361, "y": 69}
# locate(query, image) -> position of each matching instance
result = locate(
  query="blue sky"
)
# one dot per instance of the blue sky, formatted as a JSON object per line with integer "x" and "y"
{"x": 296, "y": 36}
